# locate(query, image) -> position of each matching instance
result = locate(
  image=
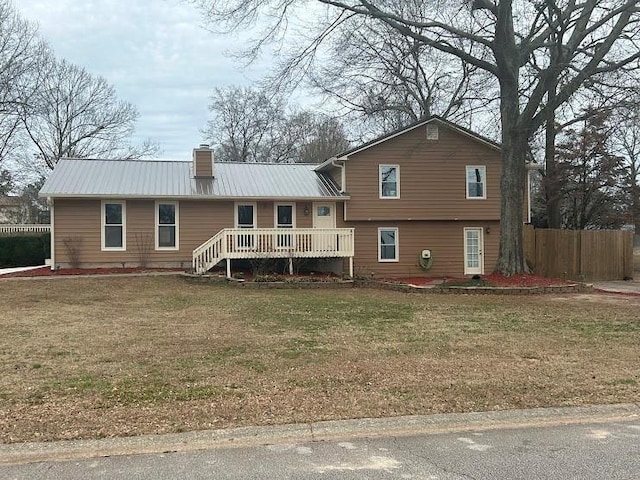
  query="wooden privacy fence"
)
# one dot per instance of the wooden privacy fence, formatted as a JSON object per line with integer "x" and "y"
{"x": 588, "y": 255}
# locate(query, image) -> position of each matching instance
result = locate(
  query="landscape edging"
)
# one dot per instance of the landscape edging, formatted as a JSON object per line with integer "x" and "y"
{"x": 462, "y": 290}
{"x": 399, "y": 287}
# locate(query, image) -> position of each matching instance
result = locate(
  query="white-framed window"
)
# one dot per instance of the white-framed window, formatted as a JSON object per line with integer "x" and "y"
{"x": 388, "y": 244}
{"x": 389, "y": 181}
{"x": 284, "y": 217}
{"x": 246, "y": 217}
{"x": 476, "y": 182}
{"x": 113, "y": 223}
{"x": 167, "y": 225}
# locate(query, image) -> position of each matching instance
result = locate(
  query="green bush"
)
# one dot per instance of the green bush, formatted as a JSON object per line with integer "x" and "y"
{"x": 24, "y": 250}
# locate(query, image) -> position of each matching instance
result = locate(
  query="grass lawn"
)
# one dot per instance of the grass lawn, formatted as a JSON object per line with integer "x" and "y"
{"x": 88, "y": 358}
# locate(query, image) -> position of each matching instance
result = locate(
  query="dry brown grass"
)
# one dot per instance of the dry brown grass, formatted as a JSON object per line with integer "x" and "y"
{"x": 87, "y": 358}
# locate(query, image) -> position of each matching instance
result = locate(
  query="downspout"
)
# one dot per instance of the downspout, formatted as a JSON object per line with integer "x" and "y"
{"x": 343, "y": 177}
{"x": 52, "y": 217}
{"x": 343, "y": 180}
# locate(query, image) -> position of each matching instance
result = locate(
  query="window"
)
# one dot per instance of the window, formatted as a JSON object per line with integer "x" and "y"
{"x": 476, "y": 182}
{"x": 167, "y": 225}
{"x": 389, "y": 181}
{"x": 245, "y": 218}
{"x": 114, "y": 233}
{"x": 285, "y": 218}
{"x": 323, "y": 211}
{"x": 387, "y": 244}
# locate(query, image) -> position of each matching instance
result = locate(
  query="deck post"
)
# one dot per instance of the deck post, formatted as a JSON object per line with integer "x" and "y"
{"x": 351, "y": 267}
{"x": 290, "y": 266}
{"x": 228, "y": 268}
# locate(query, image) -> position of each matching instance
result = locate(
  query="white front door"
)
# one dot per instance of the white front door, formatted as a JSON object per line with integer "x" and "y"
{"x": 324, "y": 215}
{"x": 473, "y": 251}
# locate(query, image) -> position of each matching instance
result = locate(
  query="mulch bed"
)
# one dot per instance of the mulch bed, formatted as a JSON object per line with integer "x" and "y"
{"x": 494, "y": 279}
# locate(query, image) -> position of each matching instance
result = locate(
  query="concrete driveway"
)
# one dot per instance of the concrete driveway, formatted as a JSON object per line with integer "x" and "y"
{"x": 619, "y": 286}
{"x": 4, "y": 271}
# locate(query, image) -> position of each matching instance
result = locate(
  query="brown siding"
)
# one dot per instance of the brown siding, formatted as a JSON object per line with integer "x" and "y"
{"x": 80, "y": 220}
{"x": 432, "y": 178}
{"x": 302, "y": 220}
{"x": 444, "y": 239}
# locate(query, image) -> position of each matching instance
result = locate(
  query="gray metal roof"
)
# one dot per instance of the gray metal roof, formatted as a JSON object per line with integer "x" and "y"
{"x": 157, "y": 178}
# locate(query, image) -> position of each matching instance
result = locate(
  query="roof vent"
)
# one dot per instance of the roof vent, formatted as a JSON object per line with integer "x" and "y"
{"x": 432, "y": 131}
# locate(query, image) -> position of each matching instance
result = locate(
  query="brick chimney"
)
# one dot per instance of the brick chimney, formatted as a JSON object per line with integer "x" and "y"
{"x": 203, "y": 162}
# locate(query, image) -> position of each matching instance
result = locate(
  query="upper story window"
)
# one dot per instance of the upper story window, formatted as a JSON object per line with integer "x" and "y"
{"x": 476, "y": 182}
{"x": 114, "y": 221}
{"x": 167, "y": 225}
{"x": 389, "y": 181}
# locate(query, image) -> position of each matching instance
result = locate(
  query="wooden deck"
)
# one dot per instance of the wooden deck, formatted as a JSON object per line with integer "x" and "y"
{"x": 248, "y": 243}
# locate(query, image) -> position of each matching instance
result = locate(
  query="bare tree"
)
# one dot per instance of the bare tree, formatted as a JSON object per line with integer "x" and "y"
{"x": 6, "y": 182}
{"x": 244, "y": 124}
{"x": 589, "y": 175}
{"x": 384, "y": 80}
{"x": 627, "y": 139}
{"x": 74, "y": 114}
{"x": 320, "y": 137}
{"x": 21, "y": 54}
{"x": 250, "y": 125}
{"x": 509, "y": 41}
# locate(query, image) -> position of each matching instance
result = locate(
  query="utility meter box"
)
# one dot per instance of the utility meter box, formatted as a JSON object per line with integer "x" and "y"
{"x": 425, "y": 254}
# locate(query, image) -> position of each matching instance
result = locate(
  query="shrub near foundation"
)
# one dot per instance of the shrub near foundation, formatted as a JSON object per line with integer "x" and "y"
{"x": 24, "y": 250}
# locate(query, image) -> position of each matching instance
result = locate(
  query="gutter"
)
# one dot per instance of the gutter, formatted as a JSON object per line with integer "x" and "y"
{"x": 196, "y": 198}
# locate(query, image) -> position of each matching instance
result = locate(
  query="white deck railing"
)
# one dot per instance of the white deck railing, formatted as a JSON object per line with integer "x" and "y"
{"x": 247, "y": 243}
{"x": 24, "y": 228}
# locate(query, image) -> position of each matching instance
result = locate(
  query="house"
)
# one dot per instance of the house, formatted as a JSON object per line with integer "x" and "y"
{"x": 11, "y": 208}
{"x": 422, "y": 199}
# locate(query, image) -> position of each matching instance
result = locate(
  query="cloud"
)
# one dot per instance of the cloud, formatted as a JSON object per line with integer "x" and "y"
{"x": 155, "y": 53}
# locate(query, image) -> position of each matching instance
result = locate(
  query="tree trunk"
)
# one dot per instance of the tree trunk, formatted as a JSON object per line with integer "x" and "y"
{"x": 511, "y": 254}
{"x": 552, "y": 184}
{"x": 514, "y": 146}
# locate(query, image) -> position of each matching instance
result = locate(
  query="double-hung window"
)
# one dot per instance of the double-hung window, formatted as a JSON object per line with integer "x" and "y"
{"x": 389, "y": 181}
{"x": 167, "y": 214}
{"x": 476, "y": 182}
{"x": 114, "y": 225}
{"x": 387, "y": 244}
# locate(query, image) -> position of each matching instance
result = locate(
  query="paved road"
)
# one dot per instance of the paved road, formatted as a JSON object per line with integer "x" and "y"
{"x": 585, "y": 451}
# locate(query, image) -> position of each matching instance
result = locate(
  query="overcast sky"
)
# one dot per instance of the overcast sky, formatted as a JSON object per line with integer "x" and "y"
{"x": 155, "y": 53}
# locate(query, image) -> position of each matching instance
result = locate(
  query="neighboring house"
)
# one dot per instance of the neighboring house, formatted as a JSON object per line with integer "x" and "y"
{"x": 10, "y": 208}
{"x": 429, "y": 190}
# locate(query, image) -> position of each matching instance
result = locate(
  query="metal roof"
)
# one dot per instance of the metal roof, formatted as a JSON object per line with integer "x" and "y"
{"x": 159, "y": 178}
